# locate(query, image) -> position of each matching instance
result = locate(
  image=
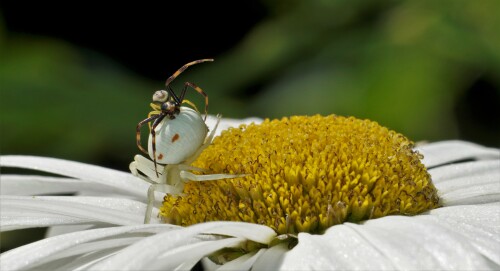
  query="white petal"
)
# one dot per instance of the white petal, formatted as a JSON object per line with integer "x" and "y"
{"x": 147, "y": 251}
{"x": 478, "y": 194}
{"x": 452, "y": 171}
{"x": 19, "y": 209}
{"x": 38, "y": 185}
{"x": 33, "y": 254}
{"x": 81, "y": 262}
{"x": 242, "y": 263}
{"x": 121, "y": 182}
{"x": 85, "y": 248}
{"x": 479, "y": 223}
{"x": 468, "y": 183}
{"x": 208, "y": 265}
{"x": 339, "y": 248}
{"x": 445, "y": 152}
{"x": 417, "y": 244}
{"x": 64, "y": 228}
{"x": 188, "y": 264}
{"x": 481, "y": 215}
{"x": 14, "y": 220}
{"x": 226, "y": 123}
{"x": 258, "y": 233}
{"x": 271, "y": 258}
{"x": 451, "y": 238}
{"x": 191, "y": 253}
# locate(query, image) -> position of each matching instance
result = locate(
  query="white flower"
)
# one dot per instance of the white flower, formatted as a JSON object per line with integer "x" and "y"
{"x": 100, "y": 228}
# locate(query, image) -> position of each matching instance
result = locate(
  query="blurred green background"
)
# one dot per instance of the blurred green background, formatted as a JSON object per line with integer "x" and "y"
{"x": 76, "y": 78}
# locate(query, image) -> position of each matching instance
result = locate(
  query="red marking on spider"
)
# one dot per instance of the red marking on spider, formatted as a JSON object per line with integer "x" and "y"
{"x": 160, "y": 156}
{"x": 174, "y": 138}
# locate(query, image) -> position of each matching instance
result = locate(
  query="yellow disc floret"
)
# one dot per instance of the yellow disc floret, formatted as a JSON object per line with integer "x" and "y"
{"x": 305, "y": 174}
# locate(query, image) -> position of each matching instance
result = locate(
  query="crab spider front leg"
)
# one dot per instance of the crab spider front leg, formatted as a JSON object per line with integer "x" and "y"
{"x": 188, "y": 176}
{"x": 164, "y": 188}
{"x": 199, "y": 90}
{"x": 144, "y": 169}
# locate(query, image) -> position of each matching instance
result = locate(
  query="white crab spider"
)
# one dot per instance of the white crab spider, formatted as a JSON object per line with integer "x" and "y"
{"x": 171, "y": 177}
{"x": 177, "y": 137}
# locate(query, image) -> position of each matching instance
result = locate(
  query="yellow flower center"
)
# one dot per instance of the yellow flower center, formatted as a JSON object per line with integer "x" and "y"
{"x": 305, "y": 174}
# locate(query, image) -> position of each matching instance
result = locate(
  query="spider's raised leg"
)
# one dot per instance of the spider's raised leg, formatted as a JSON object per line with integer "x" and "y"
{"x": 183, "y": 68}
{"x": 138, "y": 131}
{"x": 178, "y": 99}
{"x": 199, "y": 90}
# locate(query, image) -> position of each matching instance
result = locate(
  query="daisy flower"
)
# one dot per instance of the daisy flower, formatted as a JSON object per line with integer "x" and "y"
{"x": 320, "y": 193}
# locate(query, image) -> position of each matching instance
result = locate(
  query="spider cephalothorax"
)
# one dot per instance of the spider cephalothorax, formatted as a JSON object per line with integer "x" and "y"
{"x": 170, "y": 108}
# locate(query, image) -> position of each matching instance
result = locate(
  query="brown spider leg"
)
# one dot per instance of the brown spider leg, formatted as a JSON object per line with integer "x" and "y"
{"x": 138, "y": 131}
{"x": 153, "y": 137}
{"x": 172, "y": 95}
{"x": 179, "y": 71}
{"x": 199, "y": 90}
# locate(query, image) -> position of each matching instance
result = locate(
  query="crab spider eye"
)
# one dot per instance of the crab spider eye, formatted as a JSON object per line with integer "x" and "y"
{"x": 160, "y": 96}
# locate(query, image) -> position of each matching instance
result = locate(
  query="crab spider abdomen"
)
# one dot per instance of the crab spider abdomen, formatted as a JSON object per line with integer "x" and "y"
{"x": 179, "y": 138}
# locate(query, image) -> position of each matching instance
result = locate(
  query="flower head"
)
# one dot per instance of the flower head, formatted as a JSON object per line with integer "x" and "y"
{"x": 306, "y": 174}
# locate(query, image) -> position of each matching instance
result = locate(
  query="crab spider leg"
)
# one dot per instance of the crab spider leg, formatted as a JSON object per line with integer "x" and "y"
{"x": 138, "y": 131}
{"x": 183, "y": 68}
{"x": 186, "y": 101}
{"x": 178, "y": 100}
{"x": 199, "y": 90}
{"x": 163, "y": 188}
{"x": 153, "y": 135}
{"x": 186, "y": 175}
{"x": 152, "y": 113}
{"x": 156, "y": 107}
{"x": 171, "y": 94}
{"x": 208, "y": 140}
{"x": 143, "y": 168}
